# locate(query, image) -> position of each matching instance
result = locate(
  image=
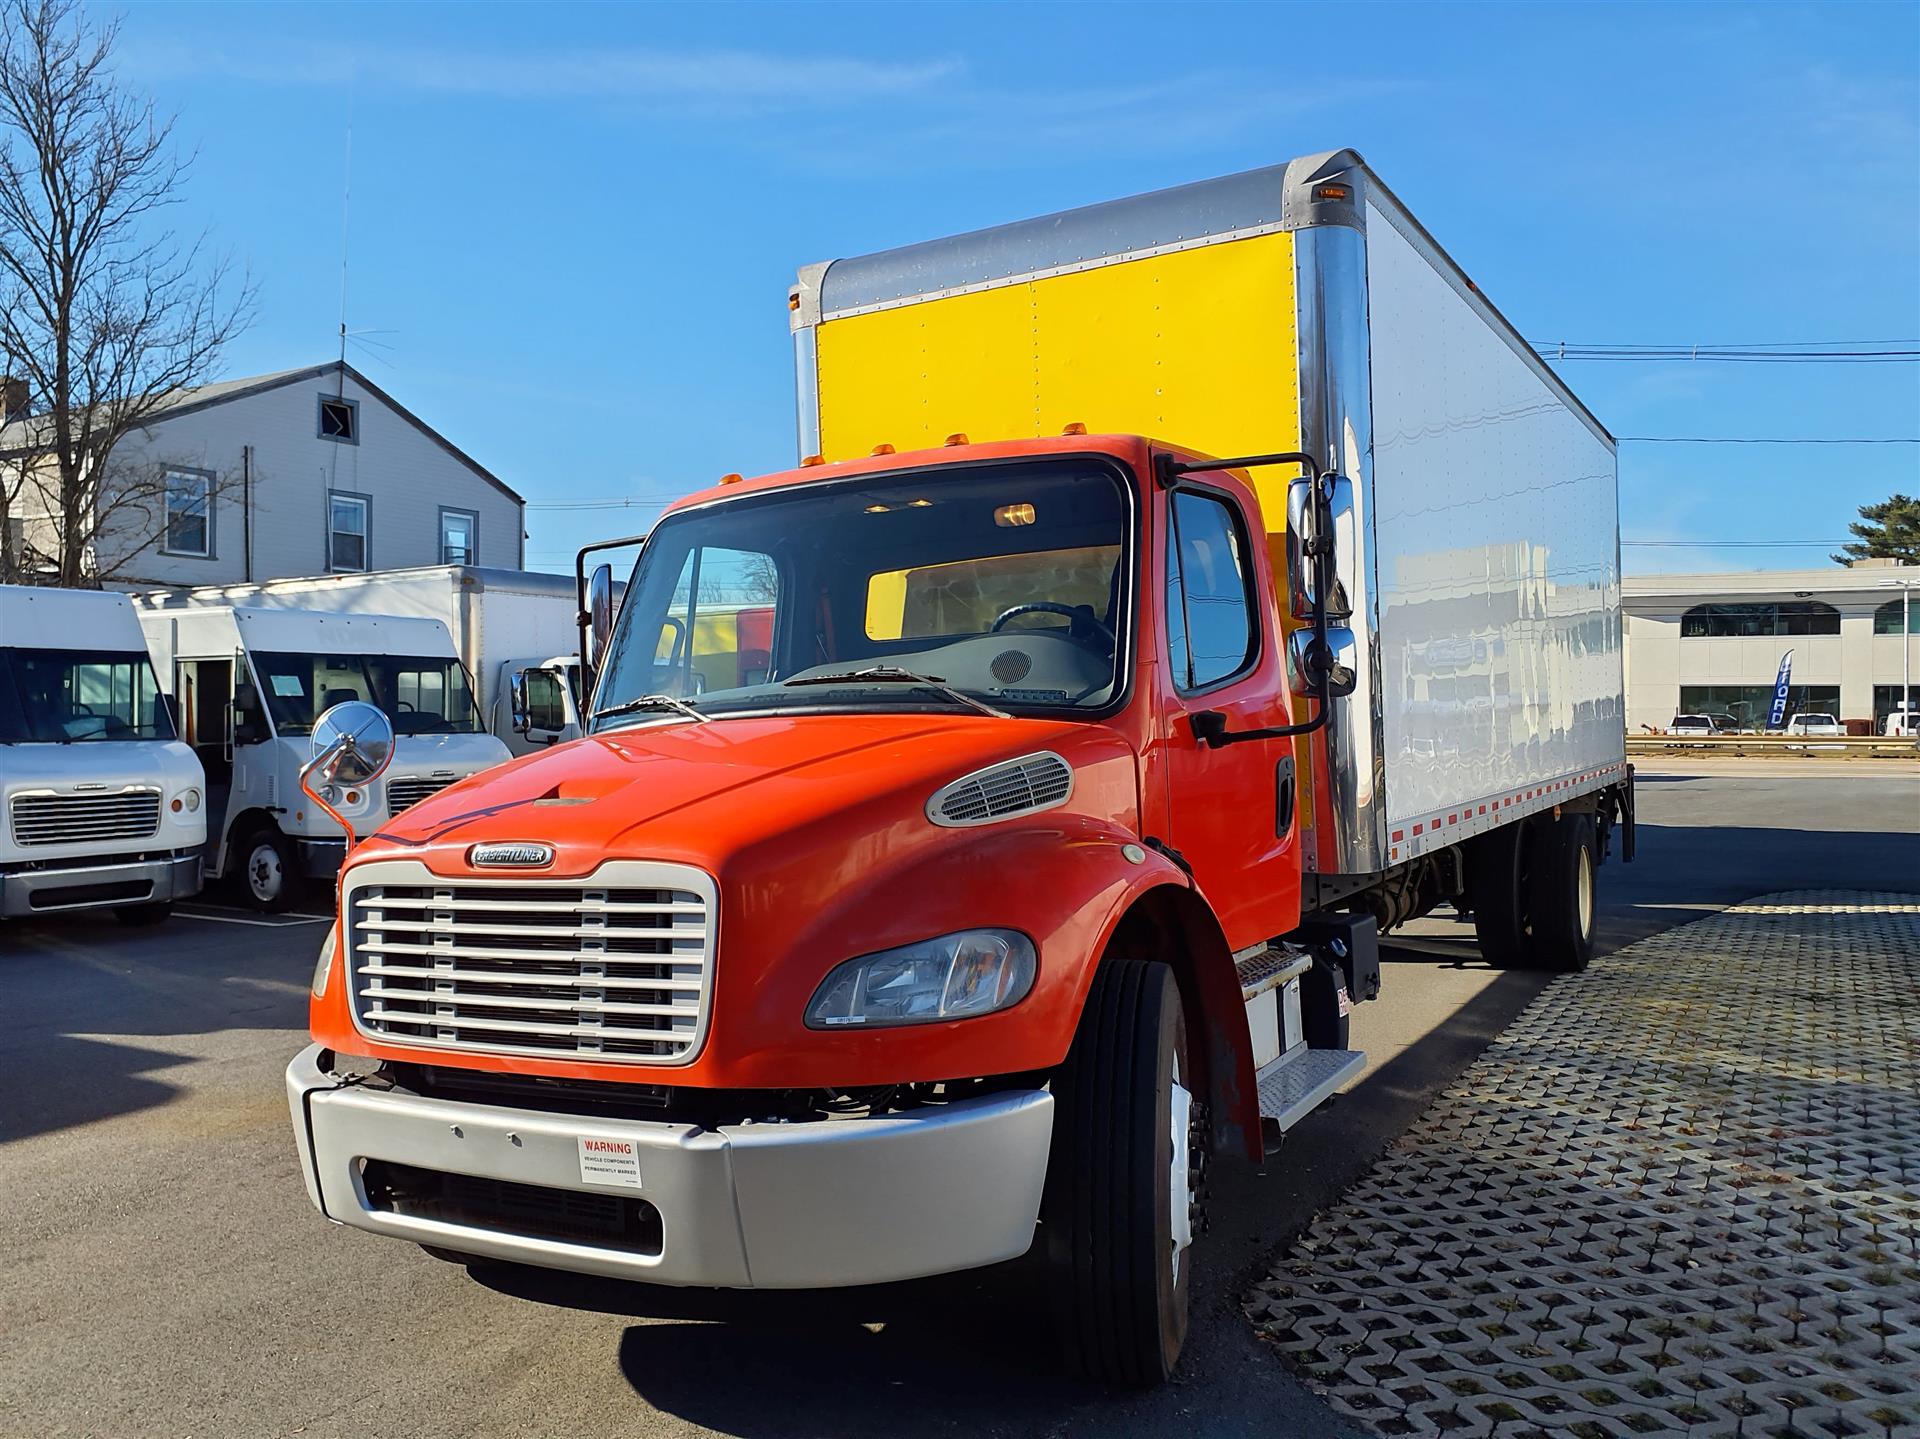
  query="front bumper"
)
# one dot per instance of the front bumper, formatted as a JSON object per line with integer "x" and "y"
{"x": 155, "y": 879}
{"x": 749, "y": 1206}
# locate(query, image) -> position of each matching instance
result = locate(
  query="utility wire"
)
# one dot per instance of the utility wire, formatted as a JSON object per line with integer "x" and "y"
{"x": 1737, "y": 544}
{"x": 1756, "y": 440}
{"x": 1854, "y": 352}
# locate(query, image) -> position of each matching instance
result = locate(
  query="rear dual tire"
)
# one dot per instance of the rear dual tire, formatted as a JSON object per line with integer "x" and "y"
{"x": 1532, "y": 888}
{"x": 1122, "y": 1182}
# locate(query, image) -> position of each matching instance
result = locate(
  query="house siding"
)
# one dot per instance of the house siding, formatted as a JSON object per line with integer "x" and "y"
{"x": 407, "y": 474}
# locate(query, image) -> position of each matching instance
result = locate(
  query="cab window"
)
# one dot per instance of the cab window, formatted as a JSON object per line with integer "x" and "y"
{"x": 1211, "y": 633}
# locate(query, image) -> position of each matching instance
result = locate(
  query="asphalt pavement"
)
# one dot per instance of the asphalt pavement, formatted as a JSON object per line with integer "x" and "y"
{"x": 162, "y": 1273}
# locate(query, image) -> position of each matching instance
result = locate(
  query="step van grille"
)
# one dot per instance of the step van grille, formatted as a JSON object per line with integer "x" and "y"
{"x": 409, "y": 790}
{"x": 609, "y": 969}
{"x": 83, "y": 818}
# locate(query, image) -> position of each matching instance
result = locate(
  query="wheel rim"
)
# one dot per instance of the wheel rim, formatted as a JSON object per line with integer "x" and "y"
{"x": 1180, "y": 1196}
{"x": 1585, "y": 909}
{"x": 263, "y": 873}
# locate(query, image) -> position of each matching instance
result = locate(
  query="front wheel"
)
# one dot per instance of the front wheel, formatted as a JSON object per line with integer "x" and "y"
{"x": 1123, "y": 1179}
{"x": 269, "y": 877}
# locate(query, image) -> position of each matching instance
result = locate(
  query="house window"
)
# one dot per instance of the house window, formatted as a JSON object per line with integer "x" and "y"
{"x": 459, "y": 537}
{"x": 348, "y": 519}
{"x": 339, "y": 419}
{"x": 189, "y": 527}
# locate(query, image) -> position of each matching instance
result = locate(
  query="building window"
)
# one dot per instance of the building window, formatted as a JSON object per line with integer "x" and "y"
{"x": 1211, "y": 633}
{"x": 1789, "y": 617}
{"x": 459, "y": 537}
{"x": 189, "y": 527}
{"x": 1886, "y": 619}
{"x": 1749, "y": 705}
{"x": 339, "y": 419}
{"x": 348, "y": 526}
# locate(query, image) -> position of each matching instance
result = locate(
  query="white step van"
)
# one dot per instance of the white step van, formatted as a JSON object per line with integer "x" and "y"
{"x": 104, "y": 807}
{"x": 503, "y": 622}
{"x": 249, "y": 683}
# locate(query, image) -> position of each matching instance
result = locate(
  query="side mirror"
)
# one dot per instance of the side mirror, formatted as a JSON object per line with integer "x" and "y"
{"x": 522, "y": 715}
{"x": 1315, "y": 555}
{"x": 246, "y": 697}
{"x": 352, "y": 747}
{"x": 599, "y": 614}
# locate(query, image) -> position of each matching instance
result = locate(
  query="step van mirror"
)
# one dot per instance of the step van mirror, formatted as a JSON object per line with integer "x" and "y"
{"x": 522, "y": 715}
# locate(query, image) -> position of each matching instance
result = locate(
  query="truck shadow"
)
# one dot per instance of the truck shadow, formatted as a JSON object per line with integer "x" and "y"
{"x": 89, "y": 1005}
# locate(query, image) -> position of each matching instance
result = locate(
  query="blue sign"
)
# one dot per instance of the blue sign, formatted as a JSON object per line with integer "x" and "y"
{"x": 1777, "y": 716}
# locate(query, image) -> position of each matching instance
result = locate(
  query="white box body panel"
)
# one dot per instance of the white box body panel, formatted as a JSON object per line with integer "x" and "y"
{"x": 1496, "y": 558}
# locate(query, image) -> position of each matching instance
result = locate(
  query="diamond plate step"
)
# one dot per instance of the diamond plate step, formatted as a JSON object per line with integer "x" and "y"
{"x": 1270, "y": 968}
{"x": 1292, "y": 1086}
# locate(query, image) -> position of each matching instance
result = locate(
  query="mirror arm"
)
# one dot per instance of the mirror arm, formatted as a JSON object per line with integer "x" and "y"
{"x": 321, "y": 761}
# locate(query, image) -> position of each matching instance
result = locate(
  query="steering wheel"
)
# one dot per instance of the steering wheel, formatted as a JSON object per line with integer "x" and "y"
{"x": 1080, "y": 618}
{"x": 403, "y": 706}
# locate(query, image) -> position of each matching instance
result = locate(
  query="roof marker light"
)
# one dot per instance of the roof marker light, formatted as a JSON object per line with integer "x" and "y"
{"x": 731, "y": 479}
{"x": 883, "y": 448}
{"x": 812, "y": 460}
{"x": 958, "y": 437}
{"x": 1074, "y": 428}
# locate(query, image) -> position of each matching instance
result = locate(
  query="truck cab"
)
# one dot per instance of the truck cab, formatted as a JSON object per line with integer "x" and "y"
{"x": 104, "y": 805}
{"x": 250, "y": 682}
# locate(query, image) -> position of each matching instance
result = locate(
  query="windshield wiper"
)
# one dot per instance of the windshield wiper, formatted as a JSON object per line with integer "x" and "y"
{"x": 894, "y": 675}
{"x": 653, "y": 702}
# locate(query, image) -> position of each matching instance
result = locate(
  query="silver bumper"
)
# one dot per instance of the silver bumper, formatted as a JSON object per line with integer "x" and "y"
{"x": 57, "y": 891}
{"x": 766, "y": 1206}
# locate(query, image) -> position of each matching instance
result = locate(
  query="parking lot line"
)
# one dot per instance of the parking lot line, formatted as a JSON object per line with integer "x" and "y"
{"x": 281, "y": 922}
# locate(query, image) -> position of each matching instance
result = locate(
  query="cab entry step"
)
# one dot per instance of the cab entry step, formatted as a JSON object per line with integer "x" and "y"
{"x": 1296, "y": 1083}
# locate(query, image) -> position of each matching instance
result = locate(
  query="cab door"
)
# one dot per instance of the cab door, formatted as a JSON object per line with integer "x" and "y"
{"x": 1230, "y": 809}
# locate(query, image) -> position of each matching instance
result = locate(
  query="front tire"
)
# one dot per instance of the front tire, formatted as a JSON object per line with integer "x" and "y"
{"x": 269, "y": 878}
{"x": 1128, "y": 1151}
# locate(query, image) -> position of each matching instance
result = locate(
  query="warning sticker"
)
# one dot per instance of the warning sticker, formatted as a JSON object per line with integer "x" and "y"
{"x": 610, "y": 1161}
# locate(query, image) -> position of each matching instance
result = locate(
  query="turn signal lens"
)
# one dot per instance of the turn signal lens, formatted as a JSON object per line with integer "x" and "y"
{"x": 957, "y": 976}
{"x": 176, "y": 806}
{"x": 323, "y": 966}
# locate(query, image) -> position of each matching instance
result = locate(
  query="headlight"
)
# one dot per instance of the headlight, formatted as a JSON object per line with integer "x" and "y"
{"x": 956, "y": 976}
{"x": 322, "y": 967}
{"x": 187, "y": 799}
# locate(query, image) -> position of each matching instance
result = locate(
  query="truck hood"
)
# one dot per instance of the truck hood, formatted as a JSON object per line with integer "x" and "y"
{"x": 704, "y": 793}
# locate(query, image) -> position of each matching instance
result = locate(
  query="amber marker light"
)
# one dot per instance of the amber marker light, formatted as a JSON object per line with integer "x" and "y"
{"x": 811, "y": 460}
{"x": 883, "y": 448}
{"x": 731, "y": 479}
{"x": 1010, "y": 516}
{"x": 958, "y": 437}
{"x": 1074, "y": 428}
{"x": 793, "y": 299}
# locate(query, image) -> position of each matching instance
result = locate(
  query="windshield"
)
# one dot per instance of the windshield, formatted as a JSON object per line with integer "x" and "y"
{"x": 70, "y": 696}
{"x": 1004, "y": 582}
{"x": 422, "y": 694}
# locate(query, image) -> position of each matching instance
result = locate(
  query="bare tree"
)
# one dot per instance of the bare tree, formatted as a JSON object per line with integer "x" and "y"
{"x": 106, "y": 314}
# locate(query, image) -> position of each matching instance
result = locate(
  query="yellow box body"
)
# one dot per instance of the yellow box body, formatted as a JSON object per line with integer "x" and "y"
{"x": 1195, "y": 347}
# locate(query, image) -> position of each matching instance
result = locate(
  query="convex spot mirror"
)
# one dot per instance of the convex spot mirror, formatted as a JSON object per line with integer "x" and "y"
{"x": 353, "y": 743}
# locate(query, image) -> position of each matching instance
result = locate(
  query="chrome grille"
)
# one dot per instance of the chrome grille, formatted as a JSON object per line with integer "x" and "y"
{"x": 409, "y": 790}
{"x": 1001, "y": 791}
{"x": 617, "y": 967}
{"x": 83, "y": 818}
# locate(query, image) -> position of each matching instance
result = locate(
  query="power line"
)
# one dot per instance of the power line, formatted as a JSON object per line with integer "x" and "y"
{"x": 1737, "y": 544}
{"x": 1763, "y": 440}
{"x": 1774, "y": 352}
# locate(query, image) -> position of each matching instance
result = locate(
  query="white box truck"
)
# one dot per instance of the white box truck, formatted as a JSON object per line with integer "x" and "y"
{"x": 104, "y": 806}
{"x": 502, "y": 622}
{"x": 249, "y": 683}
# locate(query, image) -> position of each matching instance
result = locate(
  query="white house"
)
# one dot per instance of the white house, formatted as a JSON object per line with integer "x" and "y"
{"x": 303, "y": 472}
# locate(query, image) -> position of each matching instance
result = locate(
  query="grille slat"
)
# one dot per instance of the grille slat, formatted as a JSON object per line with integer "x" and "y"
{"x": 408, "y": 790}
{"x": 596, "y": 970}
{"x": 72, "y": 819}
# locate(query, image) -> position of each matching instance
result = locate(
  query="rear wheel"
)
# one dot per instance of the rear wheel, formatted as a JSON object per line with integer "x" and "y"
{"x": 1566, "y": 854}
{"x": 1500, "y": 889}
{"x": 269, "y": 878}
{"x": 1123, "y": 1180}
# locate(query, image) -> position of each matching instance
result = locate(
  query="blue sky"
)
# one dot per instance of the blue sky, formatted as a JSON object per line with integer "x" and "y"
{"x": 573, "y": 228}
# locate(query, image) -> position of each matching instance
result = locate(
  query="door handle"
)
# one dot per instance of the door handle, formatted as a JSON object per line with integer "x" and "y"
{"x": 1283, "y": 776}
